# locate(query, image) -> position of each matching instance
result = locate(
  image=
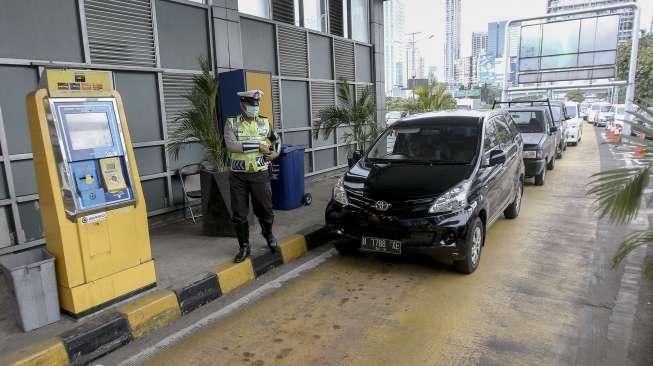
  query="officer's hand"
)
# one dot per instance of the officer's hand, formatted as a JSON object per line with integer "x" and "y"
{"x": 271, "y": 156}
{"x": 264, "y": 149}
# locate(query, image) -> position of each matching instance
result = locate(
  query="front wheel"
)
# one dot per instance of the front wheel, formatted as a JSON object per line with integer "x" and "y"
{"x": 473, "y": 245}
{"x": 551, "y": 164}
{"x": 512, "y": 211}
{"x": 539, "y": 179}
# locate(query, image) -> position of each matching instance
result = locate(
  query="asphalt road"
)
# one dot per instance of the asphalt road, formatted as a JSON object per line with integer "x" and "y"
{"x": 543, "y": 294}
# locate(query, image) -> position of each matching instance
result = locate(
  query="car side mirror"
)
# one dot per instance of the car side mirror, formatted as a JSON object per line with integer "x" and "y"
{"x": 553, "y": 129}
{"x": 355, "y": 157}
{"x": 497, "y": 157}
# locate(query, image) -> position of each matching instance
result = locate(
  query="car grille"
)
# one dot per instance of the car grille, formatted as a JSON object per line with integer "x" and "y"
{"x": 398, "y": 207}
{"x": 530, "y": 146}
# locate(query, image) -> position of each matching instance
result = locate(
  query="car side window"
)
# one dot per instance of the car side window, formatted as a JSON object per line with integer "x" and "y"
{"x": 490, "y": 136}
{"x": 504, "y": 136}
{"x": 512, "y": 126}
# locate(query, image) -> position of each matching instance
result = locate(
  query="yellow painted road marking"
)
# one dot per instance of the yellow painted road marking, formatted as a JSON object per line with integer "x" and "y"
{"x": 151, "y": 311}
{"x": 234, "y": 275}
{"x": 50, "y": 352}
{"x": 293, "y": 247}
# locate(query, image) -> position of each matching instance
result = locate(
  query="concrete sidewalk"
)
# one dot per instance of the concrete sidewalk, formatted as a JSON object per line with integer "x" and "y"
{"x": 180, "y": 252}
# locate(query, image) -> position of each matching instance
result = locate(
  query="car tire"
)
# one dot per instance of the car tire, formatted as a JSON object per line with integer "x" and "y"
{"x": 551, "y": 164}
{"x": 474, "y": 241}
{"x": 512, "y": 211}
{"x": 539, "y": 179}
{"x": 346, "y": 247}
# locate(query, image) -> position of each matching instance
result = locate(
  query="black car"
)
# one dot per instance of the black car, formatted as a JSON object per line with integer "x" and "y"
{"x": 540, "y": 141}
{"x": 431, "y": 183}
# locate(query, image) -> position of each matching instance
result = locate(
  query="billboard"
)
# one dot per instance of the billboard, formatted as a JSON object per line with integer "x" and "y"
{"x": 569, "y": 50}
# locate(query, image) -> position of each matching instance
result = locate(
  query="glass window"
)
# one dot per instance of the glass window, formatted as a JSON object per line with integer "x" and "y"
{"x": 587, "y": 34}
{"x": 560, "y": 37}
{"x": 504, "y": 136}
{"x": 529, "y": 64}
{"x": 557, "y": 62}
{"x": 571, "y": 111}
{"x": 529, "y": 121}
{"x": 531, "y": 37}
{"x": 360, "y": 20}
{"x": 607, "y": 32}
{"x": 454, "y": 142}
{"x": 605, "y": 58}
{"x": 315, "y": 15}
{"x": 490, "y": 136}
{"x": 259, "y": 8}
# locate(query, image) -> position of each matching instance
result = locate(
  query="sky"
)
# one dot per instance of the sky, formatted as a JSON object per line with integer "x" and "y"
{"x": 427, "y": 16}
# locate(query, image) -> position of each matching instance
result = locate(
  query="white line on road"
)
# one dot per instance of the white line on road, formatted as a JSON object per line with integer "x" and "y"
{"x": 213, "y": 317}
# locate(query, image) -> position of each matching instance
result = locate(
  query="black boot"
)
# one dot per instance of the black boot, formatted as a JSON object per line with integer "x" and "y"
{"x": 242, "y": 231}
{"x": 266, "y": 230}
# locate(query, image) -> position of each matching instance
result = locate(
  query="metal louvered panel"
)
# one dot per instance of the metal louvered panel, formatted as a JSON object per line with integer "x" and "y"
{"x": 322, "y": 96}
{"x": 120, "y": 32}
{"x": 175, "y": 87}
{"x": 360, "y": 88}
{"x": 276, "y": 105}
{"x": 283, "y": 11}
{"x": 293, "y": 52}
{"x": 335, "y": 18}
{"x": 344, "y": 56}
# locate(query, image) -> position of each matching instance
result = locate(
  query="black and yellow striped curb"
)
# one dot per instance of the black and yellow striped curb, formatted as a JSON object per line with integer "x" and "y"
{"x": 100, "y": 335}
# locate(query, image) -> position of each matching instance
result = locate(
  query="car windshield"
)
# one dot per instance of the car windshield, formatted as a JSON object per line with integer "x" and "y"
{"x": 556, "y": 112}
{"x": 444, "y": 143}
{"x": 571, "y": 110}
{"x": 529, "y": 121}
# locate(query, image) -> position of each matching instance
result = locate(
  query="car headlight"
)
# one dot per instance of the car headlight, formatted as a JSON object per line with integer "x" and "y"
{"x": 339, "y": 194}
{"x": 452, "y": 200}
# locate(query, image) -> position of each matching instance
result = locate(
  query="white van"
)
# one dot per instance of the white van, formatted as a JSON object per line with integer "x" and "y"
{"x": 574, "y": 124}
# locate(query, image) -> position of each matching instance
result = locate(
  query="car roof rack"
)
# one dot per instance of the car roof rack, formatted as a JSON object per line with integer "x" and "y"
{"x": 532, "y": 103}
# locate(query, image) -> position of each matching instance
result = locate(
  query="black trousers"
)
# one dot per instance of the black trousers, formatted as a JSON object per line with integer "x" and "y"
{"x": 256, "y": 185}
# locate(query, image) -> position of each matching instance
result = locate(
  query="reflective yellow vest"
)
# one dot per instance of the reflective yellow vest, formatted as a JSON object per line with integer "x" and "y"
{"x": 256, "y": 131}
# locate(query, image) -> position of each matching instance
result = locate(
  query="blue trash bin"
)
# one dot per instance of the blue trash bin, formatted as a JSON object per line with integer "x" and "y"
{"x": 287, "y": 178}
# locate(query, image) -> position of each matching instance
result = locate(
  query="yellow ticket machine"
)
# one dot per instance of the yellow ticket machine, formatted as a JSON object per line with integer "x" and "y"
{"x": 90, "y": 194}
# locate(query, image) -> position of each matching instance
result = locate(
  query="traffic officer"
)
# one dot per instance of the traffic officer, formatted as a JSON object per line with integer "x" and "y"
{"x": 252, "y": 145}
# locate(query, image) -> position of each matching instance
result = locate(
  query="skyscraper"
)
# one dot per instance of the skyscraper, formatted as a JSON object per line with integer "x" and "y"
{"x": 395, "y": 46}
{"x": 625, "y": 20}
{"x": 496, "y": 32}
{"x": 479, "y": 43}
{"x": 452, "y": 39}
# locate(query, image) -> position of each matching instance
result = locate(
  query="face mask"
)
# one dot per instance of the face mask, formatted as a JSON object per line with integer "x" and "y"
{"x": 252, "y": 111}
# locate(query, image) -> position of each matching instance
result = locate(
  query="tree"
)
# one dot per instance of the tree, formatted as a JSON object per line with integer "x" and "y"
{"x": 577, "y": 96}
{"x": 355, "y": 113}
{"x": 618, "y": 192}
{"x": 489, "y": 93}
{"x": 199, "y": 122}
{"x": 644, "y": 73}
{"x": 433, "y": 97}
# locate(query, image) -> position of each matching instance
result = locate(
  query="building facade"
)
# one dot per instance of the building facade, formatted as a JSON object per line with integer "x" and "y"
{"x": 395, "y": 45}
{"x": 496, "y": 38}
{"x": 153, "y": 47}
{"x": 626, "y": 15}
{"x": 452, "y": 39}
{"x": 479, "y": 43}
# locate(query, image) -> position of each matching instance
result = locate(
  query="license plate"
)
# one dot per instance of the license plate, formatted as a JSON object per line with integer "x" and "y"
{"x": 381, "y": 245}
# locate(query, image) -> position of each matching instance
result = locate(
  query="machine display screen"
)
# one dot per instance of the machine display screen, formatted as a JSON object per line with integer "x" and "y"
{"x": 89, "y": 130}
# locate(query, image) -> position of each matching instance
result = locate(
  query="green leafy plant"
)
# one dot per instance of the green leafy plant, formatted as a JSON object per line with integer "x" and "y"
{"x": 618, "y": 192}
{"x": 644, "y": 72}
{"x": 577, "y": 96}
{"x": 433, "y": 97}
{"x": 356, "y": 113}
{"x": 199, "y": 122}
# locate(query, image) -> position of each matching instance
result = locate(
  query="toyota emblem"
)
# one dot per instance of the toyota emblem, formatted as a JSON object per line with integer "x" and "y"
{"x": 382, "y": 205}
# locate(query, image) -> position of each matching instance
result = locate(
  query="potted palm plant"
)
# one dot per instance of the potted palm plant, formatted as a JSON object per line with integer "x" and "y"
{"x": 356, "y": 113}
{"x": 619, "y": 192}
{"x": 199, "y": 123}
